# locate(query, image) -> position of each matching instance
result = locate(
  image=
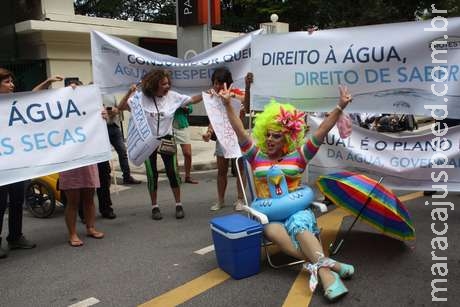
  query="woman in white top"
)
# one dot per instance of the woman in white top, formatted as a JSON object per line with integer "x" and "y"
{"x": 159, "y": 104}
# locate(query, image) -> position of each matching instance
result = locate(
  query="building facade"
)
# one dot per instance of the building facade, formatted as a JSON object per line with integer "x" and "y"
{"x": 41, "y": 38}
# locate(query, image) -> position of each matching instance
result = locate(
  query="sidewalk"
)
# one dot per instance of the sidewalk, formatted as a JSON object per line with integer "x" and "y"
{"x": 202, "y": 155}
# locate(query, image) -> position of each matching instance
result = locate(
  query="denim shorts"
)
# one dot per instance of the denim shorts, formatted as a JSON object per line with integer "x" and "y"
{"x": 219, "y": 152}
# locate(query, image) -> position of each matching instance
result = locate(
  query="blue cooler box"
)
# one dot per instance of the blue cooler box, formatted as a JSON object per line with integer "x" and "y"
{"x": 237, "y": 242}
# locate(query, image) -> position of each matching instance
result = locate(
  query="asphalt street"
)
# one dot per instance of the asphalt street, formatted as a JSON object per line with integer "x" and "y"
{"x": 155, "y": 263}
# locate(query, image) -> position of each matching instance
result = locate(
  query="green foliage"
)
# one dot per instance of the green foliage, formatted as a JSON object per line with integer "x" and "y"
{"x": 161, "y": 11}
{"x": 246, "y": 15}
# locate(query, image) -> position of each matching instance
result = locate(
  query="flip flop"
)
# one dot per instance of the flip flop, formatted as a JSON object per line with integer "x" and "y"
{"x": 190, "y": 180}
{"x": 75, "y": 243}
{"x": 95, "y": 235}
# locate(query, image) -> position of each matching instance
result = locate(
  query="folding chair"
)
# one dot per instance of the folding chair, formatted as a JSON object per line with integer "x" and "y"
{"x": 260, "y": 217}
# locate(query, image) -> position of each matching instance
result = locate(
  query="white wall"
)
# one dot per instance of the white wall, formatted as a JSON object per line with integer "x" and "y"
{"x": 61, "y": 7}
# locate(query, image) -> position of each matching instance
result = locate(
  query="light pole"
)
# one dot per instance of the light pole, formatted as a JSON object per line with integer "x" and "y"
{"x": 209, "y": 25}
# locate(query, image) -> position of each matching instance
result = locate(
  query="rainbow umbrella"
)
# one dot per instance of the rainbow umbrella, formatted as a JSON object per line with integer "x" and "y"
{"x": 369, "y": 201}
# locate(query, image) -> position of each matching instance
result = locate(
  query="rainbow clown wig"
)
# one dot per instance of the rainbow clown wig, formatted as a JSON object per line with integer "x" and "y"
{"x": 280, "y": 117}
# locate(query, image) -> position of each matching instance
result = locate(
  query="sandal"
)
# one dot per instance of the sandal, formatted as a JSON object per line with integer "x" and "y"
{"x": 95, "y": 234}
{"x": 336, "y": 290}
{"x": 75, "y": 243}
{"x": 190, "y": 180}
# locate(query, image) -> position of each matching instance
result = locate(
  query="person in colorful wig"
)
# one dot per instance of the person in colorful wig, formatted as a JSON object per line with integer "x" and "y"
{"x": 279, "y": 139}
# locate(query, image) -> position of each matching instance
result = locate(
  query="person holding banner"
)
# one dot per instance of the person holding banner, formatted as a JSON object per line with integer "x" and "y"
{"x": 279, "y": 141}
{"x": 159, "y": 104}
{"x": 79, "y": 185}
{"x": 221, "y": 76}
{"x": 12, "y": 195}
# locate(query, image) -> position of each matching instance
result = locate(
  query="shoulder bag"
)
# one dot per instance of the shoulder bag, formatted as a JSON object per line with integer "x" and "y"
{"x": 167, "y": 145}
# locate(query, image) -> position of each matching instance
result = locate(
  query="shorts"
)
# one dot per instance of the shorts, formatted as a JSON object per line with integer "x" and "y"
{"x": 182, "y": 136}
{"x": 300, "y": 221}
{"x": 219, "y": 152}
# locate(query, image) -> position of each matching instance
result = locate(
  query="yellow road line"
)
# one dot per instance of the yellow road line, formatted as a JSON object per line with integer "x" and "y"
{"x": 300, "y": 294}
{"x": 189, "y": 290}
{"x": 330, "y": 225}
{"x": 410, "y": 196}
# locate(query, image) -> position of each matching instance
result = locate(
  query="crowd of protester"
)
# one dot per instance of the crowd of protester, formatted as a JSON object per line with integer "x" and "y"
{"x": 167, "y": 115}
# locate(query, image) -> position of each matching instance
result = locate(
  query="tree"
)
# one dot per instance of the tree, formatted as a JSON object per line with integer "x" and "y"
{"x": 161, "y": 11}
{"x": 246, "y": 15}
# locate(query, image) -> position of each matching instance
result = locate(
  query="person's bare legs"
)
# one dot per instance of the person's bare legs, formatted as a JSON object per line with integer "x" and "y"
{"x": 153, "y": 198}
{"x": 70, "y": 213}
{"x": 89, "y": 211}
{"x": 240, "y": 188}
{"x": 187, "y": 152}
{"x": 313, "y": 250}
{"x": 176, "y": 193}
{"x": 310, "y": 249}
{"x": 276, "y": 233}
{"x": 222, "y": 171}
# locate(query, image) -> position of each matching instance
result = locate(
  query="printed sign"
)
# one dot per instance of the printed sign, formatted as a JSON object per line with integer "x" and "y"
{"x": 221, "y": 125}
{"x": 117, "y": 64}
{"x": 407, "y": 161}
{"x": 141, "y": 140}
{"x": 188, "y": 12}
{"x": 51, "y": 131}
{"x": 388, "y": 68}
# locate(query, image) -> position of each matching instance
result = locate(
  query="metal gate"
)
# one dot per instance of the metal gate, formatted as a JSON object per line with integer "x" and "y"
{"x": 27, "y": 74}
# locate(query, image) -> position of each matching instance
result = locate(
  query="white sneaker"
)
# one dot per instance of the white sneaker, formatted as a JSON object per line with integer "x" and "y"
{"x": 217, "y": 206}
{"x": 238, "y": 205}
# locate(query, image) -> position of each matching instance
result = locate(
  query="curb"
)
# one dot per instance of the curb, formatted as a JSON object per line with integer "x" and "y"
{"x": 202, "y": 156}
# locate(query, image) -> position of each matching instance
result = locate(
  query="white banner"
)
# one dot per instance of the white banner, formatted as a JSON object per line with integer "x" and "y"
{"x": 388, "y": 68}
{"x": 221, "y": 125}
{"x": 117, "y": 63}
{"x": 51, "y": 131}
{"x": 405, "y": 161}
{"x": 141, "y": 141}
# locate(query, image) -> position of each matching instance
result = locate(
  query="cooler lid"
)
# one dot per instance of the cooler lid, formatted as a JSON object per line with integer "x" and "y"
{"x": 236, "y": 223}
